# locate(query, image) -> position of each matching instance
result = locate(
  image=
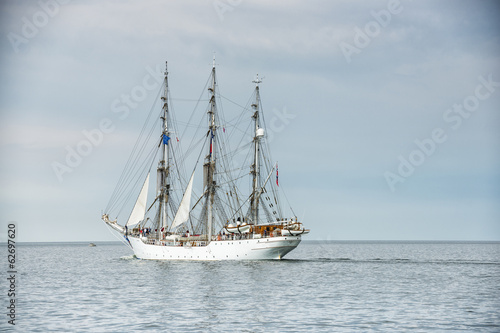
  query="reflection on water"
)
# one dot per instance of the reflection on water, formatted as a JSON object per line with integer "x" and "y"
{"x": 321, "y": 286}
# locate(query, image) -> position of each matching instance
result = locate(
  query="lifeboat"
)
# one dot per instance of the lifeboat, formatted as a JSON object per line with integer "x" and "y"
{"x": 238, "y": 229}
{"x": 294, "y": 229}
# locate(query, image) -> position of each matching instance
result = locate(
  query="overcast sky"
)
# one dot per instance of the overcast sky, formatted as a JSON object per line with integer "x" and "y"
{"x": 386, "y": 113}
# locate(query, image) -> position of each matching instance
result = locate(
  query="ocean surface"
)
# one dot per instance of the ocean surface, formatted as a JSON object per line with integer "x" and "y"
{"x": 323, "y": 286}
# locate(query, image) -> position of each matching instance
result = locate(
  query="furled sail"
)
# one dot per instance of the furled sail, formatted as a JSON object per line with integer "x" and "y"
{"x": 182, "y": 214}
{"x": 140, "y": 205}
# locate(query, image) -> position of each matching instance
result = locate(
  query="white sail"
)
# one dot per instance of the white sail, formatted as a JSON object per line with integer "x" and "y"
{"x": 182, "y": 214}
{"x": 140, "y": 205}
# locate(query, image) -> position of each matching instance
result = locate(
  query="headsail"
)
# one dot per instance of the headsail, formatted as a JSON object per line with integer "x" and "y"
{"x": 182, "y": 214}
{"x": 139, "y": 210}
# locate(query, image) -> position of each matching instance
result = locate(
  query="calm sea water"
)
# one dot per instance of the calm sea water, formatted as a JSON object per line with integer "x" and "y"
{"x": 319, "y": 287}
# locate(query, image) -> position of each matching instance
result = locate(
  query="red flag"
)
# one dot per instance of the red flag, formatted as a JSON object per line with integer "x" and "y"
{"x": 212, "y": 138}
{"x": 277, "y": 174}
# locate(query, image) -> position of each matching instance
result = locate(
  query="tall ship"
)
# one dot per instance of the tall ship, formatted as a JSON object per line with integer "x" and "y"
{"x": 232, "y": 211}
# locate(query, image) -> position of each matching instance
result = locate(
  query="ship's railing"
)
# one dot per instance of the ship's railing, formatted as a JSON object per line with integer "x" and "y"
{"x": 194, "y": 243}
{"x": 261, "y": 231}
{"x": 235, "y": 236}
{"x": 153, "y": 241}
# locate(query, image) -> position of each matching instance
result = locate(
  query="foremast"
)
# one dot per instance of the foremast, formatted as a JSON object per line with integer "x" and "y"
{"x": 209, "y": 166}
{"x": 163, "y": 171}
{"x": 255, "y": 171}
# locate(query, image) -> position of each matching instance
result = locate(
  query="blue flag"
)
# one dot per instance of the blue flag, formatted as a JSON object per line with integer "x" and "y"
{"x": 165, "y": 139}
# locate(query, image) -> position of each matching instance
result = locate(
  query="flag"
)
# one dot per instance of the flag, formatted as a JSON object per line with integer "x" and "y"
{"x": 165, "y": 139}
{"x": 211, "y": 141}
{"x": 277, "y": 174}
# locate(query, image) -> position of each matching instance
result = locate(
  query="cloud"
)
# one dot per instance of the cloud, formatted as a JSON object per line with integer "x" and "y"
{"x": 352, "y": 121}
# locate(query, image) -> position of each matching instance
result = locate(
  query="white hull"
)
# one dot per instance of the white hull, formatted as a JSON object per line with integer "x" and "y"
{"x": 243, "y": 249}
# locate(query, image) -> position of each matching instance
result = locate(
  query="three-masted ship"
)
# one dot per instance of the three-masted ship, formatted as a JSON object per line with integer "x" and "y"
{"x": 227, "y": 220}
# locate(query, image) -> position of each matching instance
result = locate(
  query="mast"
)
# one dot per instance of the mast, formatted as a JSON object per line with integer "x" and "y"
{"x": 210, "y": 159}
{"x": 163, "y": 184}
{"x": 259, "y": 133}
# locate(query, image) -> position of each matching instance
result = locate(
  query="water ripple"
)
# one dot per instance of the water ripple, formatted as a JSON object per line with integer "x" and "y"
{"x": 319, "y": 287}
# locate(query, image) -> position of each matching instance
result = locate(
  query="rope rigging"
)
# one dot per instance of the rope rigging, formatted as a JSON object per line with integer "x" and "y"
{"x": 134, "y": 158}
{"x": 230, "y": 165}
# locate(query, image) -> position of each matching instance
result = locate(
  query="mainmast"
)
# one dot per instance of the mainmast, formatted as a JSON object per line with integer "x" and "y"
{"x": 163, "y": 184}
{"x": 209, "y": 166}
{"x": 259, "y": 133}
